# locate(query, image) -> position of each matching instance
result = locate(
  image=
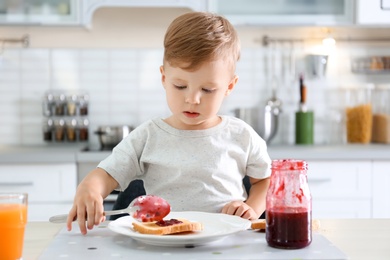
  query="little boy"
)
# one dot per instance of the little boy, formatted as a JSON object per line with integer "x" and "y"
{"x": 195, "y": 159}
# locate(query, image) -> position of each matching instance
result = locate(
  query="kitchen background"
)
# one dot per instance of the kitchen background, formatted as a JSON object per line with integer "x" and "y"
{"x": 111, "y": 50}
{"x": 116, "y": 61}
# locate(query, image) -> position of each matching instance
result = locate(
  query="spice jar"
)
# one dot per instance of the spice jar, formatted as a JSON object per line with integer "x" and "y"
{"x": 71, "y": 125}
{"x": 83, "y": 129}
{"x": 47, "y": 104}
{"x": 71, "y": 105}
{"x": 47, "y": 129}
{"x": 83, "y": 105}
{"x": 288, "y": 206}
{"x": 59, "y": 130}
{"x": 59, "y": 105}
{"x": 358, "y": 114}
{"x": 381, "y": 114}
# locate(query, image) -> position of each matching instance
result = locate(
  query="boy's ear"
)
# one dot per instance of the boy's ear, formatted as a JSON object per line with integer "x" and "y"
{"x": 231, "y": 86}
{"x": 162, "y": 75}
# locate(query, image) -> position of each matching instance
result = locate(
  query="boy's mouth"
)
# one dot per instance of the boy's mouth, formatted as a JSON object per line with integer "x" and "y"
{"x": 191, "y": 114}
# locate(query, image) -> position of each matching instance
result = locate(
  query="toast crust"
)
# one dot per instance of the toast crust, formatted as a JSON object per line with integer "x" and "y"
{"x": 153, "y": 229}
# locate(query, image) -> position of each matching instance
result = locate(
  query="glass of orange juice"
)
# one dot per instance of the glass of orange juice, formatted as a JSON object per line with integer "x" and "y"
{"x": 13, "y": 219}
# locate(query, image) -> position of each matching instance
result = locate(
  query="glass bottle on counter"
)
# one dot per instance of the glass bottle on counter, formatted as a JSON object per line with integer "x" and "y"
{"x": 381, "y": 114}
{"x": 288, "y": 206}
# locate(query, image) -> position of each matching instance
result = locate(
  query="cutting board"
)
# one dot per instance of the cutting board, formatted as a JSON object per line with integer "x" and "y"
{"x": 102, "y": 243}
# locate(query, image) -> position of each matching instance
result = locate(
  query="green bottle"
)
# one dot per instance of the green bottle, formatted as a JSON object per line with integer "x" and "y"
{"x": 304, "y": 120}
{"x": 304, "y": 127}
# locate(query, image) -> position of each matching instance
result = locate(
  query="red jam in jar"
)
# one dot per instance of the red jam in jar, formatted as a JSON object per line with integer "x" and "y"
{"x": 288, "y": 206}
{"x": 288, "y": 230}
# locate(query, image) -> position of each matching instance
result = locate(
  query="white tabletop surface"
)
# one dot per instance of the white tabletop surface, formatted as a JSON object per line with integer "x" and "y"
{"x": 357, "y": 238}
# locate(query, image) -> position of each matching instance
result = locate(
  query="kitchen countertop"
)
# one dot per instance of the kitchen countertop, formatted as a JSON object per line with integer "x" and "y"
{"x": 359, "y": 239}
{"x": 39, "y": 153}
{"x": 76, "y": 154}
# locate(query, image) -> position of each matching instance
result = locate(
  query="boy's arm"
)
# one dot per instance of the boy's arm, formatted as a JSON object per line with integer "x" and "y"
{"x": 254, "y": 206}
{"x": 88, "y": 201}
{"x": 257, "y": 194}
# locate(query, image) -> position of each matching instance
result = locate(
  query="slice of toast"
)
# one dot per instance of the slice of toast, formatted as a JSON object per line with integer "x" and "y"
{"x": 154, "y": 229}
{"x": 258, "y": 224}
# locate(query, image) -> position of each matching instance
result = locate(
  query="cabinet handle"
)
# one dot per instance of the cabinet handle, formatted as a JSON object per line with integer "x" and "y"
{"x": 320, "y": 180}
{"x": 9, "y": 184}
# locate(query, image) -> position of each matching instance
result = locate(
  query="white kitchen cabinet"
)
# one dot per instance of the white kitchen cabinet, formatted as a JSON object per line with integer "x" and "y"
{"x": 381, "y": 184}
{"x": 285, "y": 12}
{"x": 50, "y": 187}
{"x": 341, "y": 189}
{"x": 373, "y": 12}
{"x": 76, "y": 12}
{"x": 90, "y": 6}
{"x": 44, "y": 12}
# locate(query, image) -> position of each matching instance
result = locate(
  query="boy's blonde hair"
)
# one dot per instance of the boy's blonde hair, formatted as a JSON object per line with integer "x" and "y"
{"x": 196, "y": 37}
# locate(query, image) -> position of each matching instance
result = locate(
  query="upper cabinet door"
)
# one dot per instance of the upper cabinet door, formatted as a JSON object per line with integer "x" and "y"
{"x": 373, "y": 12}
{"x": 75, "y": 12}
{"x": 90, "y": 6}
{"x": 40, "y": 12}
{"x": 285, "y": 12}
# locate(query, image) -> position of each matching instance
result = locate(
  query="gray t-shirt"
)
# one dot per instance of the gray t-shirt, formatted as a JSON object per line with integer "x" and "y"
{"x": 194, "y": 170}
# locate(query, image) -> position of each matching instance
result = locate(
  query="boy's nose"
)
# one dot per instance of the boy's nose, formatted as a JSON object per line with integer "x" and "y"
{"x": 193, "y": 98}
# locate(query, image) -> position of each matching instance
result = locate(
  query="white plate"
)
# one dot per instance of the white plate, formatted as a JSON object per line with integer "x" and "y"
{"x": 215, "y": 227}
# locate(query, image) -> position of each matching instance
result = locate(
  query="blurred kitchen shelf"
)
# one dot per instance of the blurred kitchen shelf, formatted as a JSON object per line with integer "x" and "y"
{"x": 371, "y": 65}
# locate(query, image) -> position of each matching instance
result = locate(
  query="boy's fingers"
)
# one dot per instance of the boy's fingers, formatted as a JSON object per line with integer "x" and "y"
{"x": 90, "y": 216}
{"x": 71, "y": 217}
{"x": 81, "y": 221}
{"x": 99, "y": 215}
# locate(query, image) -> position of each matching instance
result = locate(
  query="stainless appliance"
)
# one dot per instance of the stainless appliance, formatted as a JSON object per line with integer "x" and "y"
{"x": 111, "y": 135}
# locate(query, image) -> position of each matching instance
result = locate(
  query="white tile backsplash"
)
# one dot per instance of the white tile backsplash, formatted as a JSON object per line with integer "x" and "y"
{"x": 125, "y": 87}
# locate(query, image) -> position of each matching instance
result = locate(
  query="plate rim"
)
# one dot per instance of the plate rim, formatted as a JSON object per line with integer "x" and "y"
{"x": 175, "y": 240}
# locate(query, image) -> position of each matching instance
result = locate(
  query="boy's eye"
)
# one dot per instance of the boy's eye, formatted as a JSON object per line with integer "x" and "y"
{"x": 180, "y": 87}
{"x": 208, "y": 90}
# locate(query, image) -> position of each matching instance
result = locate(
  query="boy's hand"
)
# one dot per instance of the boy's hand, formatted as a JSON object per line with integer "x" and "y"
{"x": 88, "y": 203}
{"x": 87, "y": 209}
{"x": 241, "y": 209}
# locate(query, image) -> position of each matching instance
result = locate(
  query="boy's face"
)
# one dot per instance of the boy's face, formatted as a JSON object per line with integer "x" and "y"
{"x": 195, "y": 97}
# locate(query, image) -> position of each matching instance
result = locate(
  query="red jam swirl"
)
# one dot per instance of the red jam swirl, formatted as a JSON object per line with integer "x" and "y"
{"x": 170, "y": 222}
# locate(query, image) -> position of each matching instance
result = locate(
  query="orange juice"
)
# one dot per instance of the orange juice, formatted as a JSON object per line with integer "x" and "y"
{"x": 13, "y": 218}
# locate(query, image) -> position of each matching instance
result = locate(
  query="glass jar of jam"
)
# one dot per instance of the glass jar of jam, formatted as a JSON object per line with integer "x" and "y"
{"x": 288, "y": 206}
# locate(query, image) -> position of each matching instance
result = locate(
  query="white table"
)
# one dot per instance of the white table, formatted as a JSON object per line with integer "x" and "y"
{"x": 357, "y": 238}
